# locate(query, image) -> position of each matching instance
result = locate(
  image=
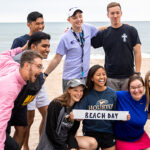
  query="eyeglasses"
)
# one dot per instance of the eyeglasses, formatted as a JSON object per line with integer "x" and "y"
{"x": 138, "y": 87}
{"x": 39, "y": 66}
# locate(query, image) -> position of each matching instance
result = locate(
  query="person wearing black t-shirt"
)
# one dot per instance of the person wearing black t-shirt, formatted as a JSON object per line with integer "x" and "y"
{"x": 122, "y": 49}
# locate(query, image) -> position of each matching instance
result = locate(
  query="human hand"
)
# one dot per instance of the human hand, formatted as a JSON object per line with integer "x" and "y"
{"x": 25, "y": 46}
{"x": 128, "y": 117}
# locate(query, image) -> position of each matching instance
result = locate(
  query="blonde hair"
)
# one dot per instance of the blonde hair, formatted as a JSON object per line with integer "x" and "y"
{"x": 147, "y": 88}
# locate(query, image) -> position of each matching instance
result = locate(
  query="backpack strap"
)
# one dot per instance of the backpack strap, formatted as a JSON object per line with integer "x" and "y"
{"x": 60, "y": 117}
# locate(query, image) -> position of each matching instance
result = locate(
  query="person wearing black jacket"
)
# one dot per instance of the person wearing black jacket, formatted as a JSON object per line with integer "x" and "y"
{"x": 59, "y": 130}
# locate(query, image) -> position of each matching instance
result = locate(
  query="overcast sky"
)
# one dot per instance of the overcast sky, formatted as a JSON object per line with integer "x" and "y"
{"x": 56, "y": 10}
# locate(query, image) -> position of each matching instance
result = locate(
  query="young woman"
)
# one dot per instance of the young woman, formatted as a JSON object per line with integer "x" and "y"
{"x": 60, "y": 130}
{"x": 130, "y": 134}
{"x": 147, "y": 86}
{"x": 99, "y": 97}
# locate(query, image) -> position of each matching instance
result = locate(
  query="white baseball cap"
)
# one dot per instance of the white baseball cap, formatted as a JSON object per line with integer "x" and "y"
{"x": 73, "y": 10}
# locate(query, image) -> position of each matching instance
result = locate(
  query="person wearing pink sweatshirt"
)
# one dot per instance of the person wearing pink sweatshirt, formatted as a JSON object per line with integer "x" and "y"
{"x": 13, "y": 77}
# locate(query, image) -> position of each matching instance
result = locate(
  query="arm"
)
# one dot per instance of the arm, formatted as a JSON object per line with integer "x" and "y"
{"x": 53, "y": 64}
{"x": 72, "y": 142}
{"x": 102, "y": 28}
{"x": 51, "y": 125}
{"x": 137, "y": 55}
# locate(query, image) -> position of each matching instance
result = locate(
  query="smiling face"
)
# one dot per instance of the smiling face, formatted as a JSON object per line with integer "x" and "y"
{"x": 99, "y": 79}
{"x": 76, "y": 21}
{"x": 37, "y": 25}
{"x": 114, "y": 14}
{"x": 136, "y": 89}
{"x": 76, "y": 94}
{"x": 43, "y": 47}
{"x": 35, "y": 69}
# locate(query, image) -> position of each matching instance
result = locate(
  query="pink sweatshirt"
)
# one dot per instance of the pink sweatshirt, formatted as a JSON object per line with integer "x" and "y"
{"x": 11, "y": 84}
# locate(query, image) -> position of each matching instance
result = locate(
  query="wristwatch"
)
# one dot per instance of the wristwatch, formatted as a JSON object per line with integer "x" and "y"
{"x": 45, "y": 74}
{"x": 137, "y": 73}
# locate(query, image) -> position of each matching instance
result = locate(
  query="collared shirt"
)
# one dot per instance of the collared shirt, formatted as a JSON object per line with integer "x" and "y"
{"x": 70, "y": 47}
{"x": 11, "y": 83}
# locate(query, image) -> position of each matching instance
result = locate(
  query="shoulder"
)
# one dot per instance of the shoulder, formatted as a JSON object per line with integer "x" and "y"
{"x": 54, "y": 104}
{"x": 122, "y": 94}
{"x": 23, "y": 37}
{"x": 111, "y": 91}
{"x": 129, "y": 27}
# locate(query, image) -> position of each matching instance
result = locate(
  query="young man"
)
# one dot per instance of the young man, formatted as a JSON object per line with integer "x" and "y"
{"x": 121, "y": 44}
{"x": 75, "y": 44}
{"x": 12, "y": 79}
{"x": 39, "y": 41}
{"x": 35, "y": 22}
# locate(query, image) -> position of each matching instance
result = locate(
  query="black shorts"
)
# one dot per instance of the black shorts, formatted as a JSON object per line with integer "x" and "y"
{"x": 18, "y": 117}
{"x": 104, "y": 140}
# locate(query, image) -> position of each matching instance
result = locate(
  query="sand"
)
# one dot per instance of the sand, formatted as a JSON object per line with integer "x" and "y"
{"x": 53, "y": 86}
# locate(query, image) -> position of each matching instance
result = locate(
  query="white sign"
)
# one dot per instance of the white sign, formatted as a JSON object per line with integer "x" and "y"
{"x": 100, "y": 114}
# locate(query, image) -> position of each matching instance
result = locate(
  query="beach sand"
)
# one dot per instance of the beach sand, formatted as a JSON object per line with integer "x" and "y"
{"x": 53, "y": 86}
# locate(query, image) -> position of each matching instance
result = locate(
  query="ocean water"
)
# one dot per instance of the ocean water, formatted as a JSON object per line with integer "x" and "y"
{"x": 9, "y": 31}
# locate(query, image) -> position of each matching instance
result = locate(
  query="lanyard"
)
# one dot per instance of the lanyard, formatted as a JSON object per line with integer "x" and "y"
{"x": 81, "y": 43}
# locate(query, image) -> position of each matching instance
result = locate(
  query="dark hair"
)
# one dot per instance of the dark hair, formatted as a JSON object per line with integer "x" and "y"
{"x": 29, "y": 56}
{"x": 37, "y": 37}
{"x": 135, "y": 77}
{"x": 78, "y": 10}
{"x": 33, "y": 16}
{"x": 147, "y": 87}
{"x": 113, "y": 4}
{"x": 89, "y": 82}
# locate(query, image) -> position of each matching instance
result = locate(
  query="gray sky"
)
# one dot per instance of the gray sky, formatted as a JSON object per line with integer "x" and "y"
{"x": 56, "y": 10}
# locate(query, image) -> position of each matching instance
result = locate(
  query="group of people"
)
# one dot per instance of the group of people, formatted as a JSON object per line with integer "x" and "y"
{"x": 116, "y": 86}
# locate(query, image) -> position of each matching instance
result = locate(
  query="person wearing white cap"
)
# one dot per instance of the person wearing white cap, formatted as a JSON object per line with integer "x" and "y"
{"x": 75, "y": 44}
{"x": 60, "y": 130}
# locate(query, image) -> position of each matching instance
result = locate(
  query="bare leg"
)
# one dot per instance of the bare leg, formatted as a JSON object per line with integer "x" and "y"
{"x": 19, "y": 135}
{"x": 43, "y": 111}
{"x": 30, "y": 117}
{"x": 86, "y": 143}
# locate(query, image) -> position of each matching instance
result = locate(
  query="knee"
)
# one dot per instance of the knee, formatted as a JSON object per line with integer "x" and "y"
{"x": 93, "y": 144}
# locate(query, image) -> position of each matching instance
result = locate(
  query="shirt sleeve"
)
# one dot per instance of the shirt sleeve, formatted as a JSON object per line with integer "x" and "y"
{"x": 51, "y": 124}
{"x": 61, "y": 48}
{"x": 16, "y": 43}
{"x": 97, "y": 41}
{"x": 134, "y": 36}
{"x": 72, "y": 142}
{"x": 7, "y": 104}
{"x": 12, "y": 52}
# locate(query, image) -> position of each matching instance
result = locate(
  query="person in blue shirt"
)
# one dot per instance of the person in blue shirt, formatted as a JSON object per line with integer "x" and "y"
{"x": 99, "y": 97}
{"x": 130, "y": 135}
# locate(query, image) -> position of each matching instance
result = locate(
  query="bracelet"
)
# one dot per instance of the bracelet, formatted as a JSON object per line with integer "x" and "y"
{"x": 45, "y": 74}
{"x": 138, "y": 73}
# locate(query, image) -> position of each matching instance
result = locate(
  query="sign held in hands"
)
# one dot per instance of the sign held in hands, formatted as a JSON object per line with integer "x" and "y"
{"x": 100, "y": 114}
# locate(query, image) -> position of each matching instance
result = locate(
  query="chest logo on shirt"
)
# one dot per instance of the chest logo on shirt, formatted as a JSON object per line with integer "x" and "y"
{"x": 124, "y": 37}
{"x": 101, "y": 105}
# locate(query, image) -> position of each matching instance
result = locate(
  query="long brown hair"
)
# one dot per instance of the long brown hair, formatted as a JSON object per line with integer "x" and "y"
{"x": 147, "y": 87}
{"x": 65, "y": 98}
